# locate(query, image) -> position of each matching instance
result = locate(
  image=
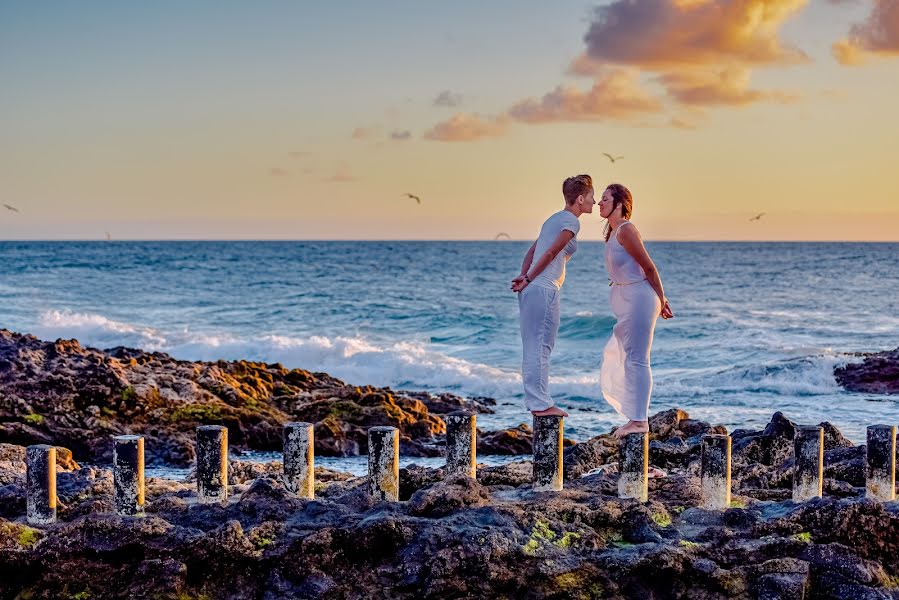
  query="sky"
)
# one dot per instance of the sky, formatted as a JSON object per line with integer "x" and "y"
{"x": 298, "y": 120}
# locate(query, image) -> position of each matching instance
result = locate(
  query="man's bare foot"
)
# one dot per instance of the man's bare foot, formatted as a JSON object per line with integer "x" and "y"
{"x": 552, "y": 411}
{"x": 631, "y": 427}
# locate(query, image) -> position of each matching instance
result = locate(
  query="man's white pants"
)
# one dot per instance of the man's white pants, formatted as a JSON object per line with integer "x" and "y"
{"x": 539, "y": 315}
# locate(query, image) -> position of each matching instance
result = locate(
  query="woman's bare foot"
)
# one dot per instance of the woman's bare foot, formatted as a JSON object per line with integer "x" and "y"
{"x": 552, "y": 411}
{"x": 656, "y": 473}
{"x": 631, "y": 427}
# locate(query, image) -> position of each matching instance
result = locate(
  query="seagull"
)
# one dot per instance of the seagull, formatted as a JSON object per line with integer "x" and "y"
{"x": 12, "y": 208}
{"x": 502, "y": 235}
{"x": 413, "y": 196}
{"x": 612, "y": 158}
{"x": 757, "y": 217}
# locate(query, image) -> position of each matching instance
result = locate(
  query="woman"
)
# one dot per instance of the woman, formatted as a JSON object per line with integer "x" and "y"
{"x": 637, "y": 299}
{"x": 539, "y": 285}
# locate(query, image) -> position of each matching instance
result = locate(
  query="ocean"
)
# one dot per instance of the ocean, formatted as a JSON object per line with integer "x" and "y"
{"x": 759, "y": 327}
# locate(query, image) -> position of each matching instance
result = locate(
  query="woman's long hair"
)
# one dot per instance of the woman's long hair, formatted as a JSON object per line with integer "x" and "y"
{"x": 621, "y": 196}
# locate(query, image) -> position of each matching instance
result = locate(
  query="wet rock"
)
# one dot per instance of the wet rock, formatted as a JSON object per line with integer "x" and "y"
{"x": 664, "y": 424}
{"x": 12, "y": 501}
{"x": 878, "y": 373}
{"x": 833, "y": 438}
{"x": 444, "y": 404}
{"x": 458, "y": 538}
{"x": 589, "y": 455}
{"x": 512, "y": 474}
{"x": 443, "y": 498}
{"x": 846, "y": 465}
{"x": 828, "y": 558}
{"x": 674, "y": 452}
{"x": 515, "y": 441}
{"x": 416, "y": 477}
{"x": 12, "y": 464}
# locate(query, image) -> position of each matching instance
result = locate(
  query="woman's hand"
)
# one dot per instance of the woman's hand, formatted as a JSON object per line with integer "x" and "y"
{"x": 519, "y": 283}
{"x": 666, "y": 311}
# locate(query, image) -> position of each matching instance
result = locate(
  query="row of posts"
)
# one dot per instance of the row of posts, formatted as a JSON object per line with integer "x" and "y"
{"x": 383, "y": 465}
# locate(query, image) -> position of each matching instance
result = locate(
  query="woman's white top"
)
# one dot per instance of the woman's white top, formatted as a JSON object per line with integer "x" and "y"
{"x": 622, "y": 267}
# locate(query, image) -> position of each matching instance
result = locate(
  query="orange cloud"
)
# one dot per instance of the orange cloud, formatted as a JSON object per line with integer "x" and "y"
{"x": 615, "y": 95}
{"x": 709, "y": 87}
{"x": 878, "y": 35}
{"x": 700, "y": 51}
{"x": 847, "y": 54}
{"x": 661, "y": 34}
{"x": 463, "y": 127}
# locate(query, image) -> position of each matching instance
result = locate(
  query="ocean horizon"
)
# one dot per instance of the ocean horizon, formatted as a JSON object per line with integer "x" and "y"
{"x": 759, "y": 326}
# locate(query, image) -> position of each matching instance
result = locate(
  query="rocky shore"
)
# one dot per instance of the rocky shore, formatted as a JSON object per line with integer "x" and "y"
{"x": 67, "y": 395}
{"x": 492, "y": 537}
{"x": 461, "y": 538}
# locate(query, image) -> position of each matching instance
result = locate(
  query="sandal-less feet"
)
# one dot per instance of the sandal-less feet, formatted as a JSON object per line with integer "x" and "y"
{"x": 631, "y": 427}
{"x": 552, "y": 411}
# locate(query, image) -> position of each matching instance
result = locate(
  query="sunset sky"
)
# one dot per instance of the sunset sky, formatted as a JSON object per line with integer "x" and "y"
{"x": 296, "y": 120}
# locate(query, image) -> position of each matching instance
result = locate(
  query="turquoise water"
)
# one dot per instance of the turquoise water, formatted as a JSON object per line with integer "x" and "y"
{"x": 758, "y": 328}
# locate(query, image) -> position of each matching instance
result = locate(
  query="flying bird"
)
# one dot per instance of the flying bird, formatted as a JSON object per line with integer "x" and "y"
{"x": 612, "y": 158}
{"x": 12, "y": 208}
{"x": 413, "y": 196}
{"x": 757, "y": 217}
{"x": 502, "y": 235}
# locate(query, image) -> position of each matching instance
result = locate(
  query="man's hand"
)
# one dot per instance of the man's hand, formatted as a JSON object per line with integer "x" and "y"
{"x": 519, "y": 283}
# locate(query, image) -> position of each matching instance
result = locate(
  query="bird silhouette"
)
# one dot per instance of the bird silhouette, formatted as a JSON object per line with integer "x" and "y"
{"x": 612, "y": 158}
{"x": 413, "y": 196}
{"x": 12, "y": 208}
{"x": 757, "y": 217}
{"x": 502, "y": 235}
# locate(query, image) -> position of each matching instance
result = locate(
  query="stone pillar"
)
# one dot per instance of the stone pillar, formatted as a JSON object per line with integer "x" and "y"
{"x": 808, "y": 466}
{"x": 212, "y": 463}
{"x": 715, "y": 472}
{"x": 128, "y": 474}
{"x": 384, "y": 463}
{"x": 633, "y": 482}
{"x": 40, "y": 484}
{"x": 299, "y": 459}
{"x": 461, "y": 444}
{"x": 548, "y": 453}
{"x": 880, "y": 470}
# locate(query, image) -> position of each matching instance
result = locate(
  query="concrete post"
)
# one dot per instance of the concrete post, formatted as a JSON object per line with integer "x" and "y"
{"x": 128, "y": 474}
{"x": 633, "y": 482}
{"x": 880, "y": 470}
{"x": 40, "y": 484}
{"x": 299, "y": 459}
{"x": 212, "y": 463}
{"x": 548, "y": 471}
{"x": 461, "y": 444}
{"x": 384, "y": 463}
{"x": 808, "y": 466}
{"x": 715, "y": 472}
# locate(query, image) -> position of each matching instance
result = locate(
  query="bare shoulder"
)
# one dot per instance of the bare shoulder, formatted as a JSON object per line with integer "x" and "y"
{"x": 628, "y": 232}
